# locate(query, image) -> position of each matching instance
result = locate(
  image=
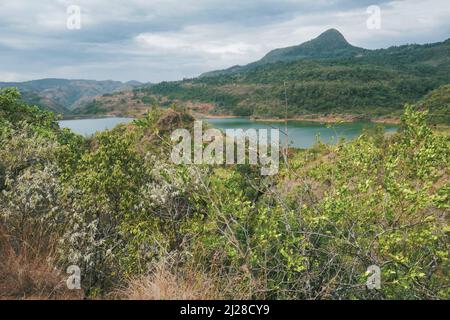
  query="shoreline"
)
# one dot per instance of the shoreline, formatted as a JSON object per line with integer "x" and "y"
{"x": 94, "y": 116}
{"x": 333, "y": 119}
{"x": 318, "y": 119}
{"x": 311, "y": 118}
{"x": 209, "y": 116}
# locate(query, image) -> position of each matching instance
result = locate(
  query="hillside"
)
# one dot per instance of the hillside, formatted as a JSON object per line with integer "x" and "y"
{"x": 127, "y": 103}
{"x": 62, "y": 95}
{"x": 326, "y": 75}
{"x": 330, "y": 44}
{"x": 438, "y": 104}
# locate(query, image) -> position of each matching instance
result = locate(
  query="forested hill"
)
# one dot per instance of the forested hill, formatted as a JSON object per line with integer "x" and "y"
{"x": 438, "y": 104}
{"x": 64, "y": 95}
{"x": 322, "y": 76}
{"x": 330, "y": 44}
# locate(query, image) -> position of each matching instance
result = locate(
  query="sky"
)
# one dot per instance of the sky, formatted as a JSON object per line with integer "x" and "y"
{"x": 163, "y": 40}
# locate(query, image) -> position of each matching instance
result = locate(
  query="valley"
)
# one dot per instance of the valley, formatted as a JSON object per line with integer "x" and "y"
{"x": 262, "y": 155}
{"x": 63, "y": 96}
{"x": 325, "y": 79}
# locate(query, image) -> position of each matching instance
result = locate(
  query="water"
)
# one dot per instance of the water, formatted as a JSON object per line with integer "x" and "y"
{"x": 302, "y": 134}
{"x": 88, "y": 127}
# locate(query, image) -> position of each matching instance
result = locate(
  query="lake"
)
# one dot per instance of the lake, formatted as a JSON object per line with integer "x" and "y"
{"x": 301, "y": 134}
{"x": 88, "y": 127}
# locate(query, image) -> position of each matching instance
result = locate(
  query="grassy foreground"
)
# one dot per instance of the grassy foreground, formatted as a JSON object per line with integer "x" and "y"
{"x": 140, "y": 227}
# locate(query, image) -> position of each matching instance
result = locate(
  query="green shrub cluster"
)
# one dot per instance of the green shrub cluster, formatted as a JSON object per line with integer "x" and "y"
{"x": 115, "y": 205}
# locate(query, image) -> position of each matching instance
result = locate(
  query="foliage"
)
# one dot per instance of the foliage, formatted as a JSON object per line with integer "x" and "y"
{"x": 349, "y": 81}
{"x": 438, "y": 104}
{"x": 115, "y": 205}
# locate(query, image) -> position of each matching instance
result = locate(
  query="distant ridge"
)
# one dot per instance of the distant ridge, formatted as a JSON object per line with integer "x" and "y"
{"x": 329, "y": 44}
{"x": 323, "y": 76}
{"x": 64, "y": 95}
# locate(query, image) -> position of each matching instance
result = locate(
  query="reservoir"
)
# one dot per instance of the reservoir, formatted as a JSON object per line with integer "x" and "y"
{"x": 301, "y": 134}
{"x": 88, "y": 127}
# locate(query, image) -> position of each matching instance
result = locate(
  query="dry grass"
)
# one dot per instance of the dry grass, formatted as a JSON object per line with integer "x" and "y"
{"x": 165, "y": 283}
{"x": 27, "y": 272}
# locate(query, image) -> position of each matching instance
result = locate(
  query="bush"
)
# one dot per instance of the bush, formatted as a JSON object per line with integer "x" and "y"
{"x": 116, "y": 206}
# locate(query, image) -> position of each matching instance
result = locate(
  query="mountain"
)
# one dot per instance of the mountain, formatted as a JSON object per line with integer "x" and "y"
{"x": 63, "y": 95}
{"x": 329, "y": 44}
{"x": 134, "y": 83}
{"x": 321, "y": 77}
{"x": 324, "y": 76}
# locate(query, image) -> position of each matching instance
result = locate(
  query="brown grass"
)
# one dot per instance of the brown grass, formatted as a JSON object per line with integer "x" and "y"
{"x": 165, "y": 283}
{"x": 27, "y": 272}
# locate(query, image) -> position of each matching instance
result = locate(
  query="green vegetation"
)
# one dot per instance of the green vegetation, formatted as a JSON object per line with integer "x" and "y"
{"x": 330, "y": 44}
{"x": 93, "y": 108}
{"x": 116, "y": 206}
{"x": 323, "y": 76}
{"x": 438, "y": 102}
{"x": 63, "y": 96}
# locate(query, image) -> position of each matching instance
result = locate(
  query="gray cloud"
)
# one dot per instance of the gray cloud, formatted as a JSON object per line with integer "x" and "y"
{"x": 170, "y": 39}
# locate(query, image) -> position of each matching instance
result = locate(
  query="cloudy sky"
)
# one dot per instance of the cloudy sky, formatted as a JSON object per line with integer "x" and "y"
{"x": 156, "y": 40}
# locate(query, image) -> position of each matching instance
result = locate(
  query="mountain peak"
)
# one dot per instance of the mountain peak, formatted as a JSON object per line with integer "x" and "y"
{"x": 329, "y": 40}
{"x": 332, "y": 32}
{"x": 329, "y": 44}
